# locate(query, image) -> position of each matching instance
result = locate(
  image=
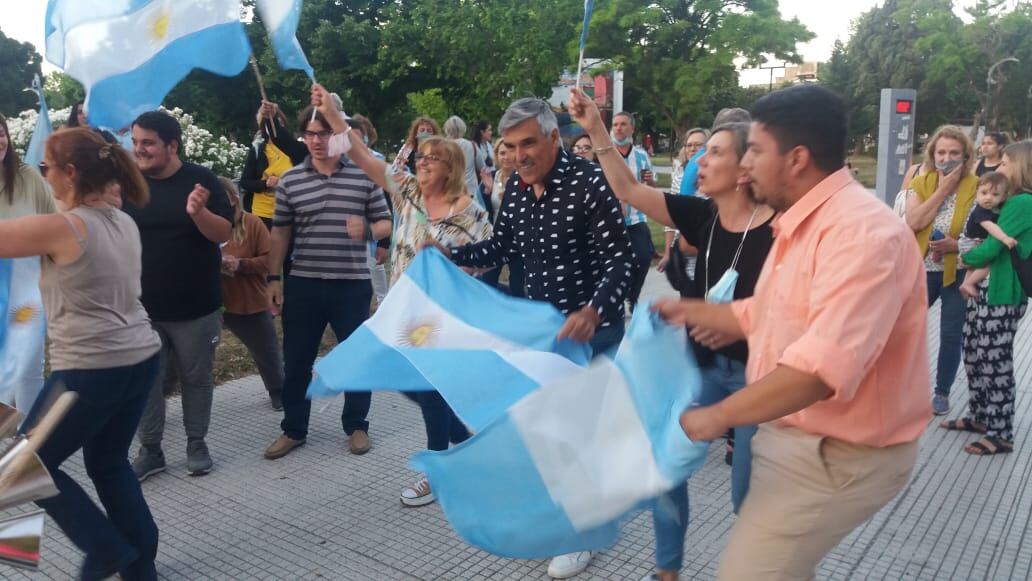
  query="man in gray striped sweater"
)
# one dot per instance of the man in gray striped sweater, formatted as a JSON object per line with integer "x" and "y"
{"x": 332, "y": 211}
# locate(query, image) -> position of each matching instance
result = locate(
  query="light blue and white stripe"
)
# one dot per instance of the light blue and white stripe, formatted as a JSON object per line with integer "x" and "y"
{"x": 281, "y": 18}
{"x": 22, "y": 332}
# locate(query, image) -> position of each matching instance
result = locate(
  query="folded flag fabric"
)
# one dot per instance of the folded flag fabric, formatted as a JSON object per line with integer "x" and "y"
{"x": 280, "y": 18}
{"x": 34, "y": 152}
{"x": 130, "y": 53}
{"x": 22, "y": 331}
{"x": 566, "y": 464}
{"x": 441, "y": 329}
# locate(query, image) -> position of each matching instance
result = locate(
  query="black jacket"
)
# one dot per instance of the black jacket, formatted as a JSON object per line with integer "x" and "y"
{"x": 251, "y": 181}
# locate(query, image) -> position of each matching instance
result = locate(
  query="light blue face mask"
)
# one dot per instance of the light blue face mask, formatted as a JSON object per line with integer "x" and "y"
{"x": 622, "y": 142}
{"x": 724, "y": 290}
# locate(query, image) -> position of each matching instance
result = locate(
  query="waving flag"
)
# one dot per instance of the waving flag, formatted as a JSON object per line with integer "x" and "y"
{"x": 589, "y": 6}
{"x": 22, "y": 332}
{"x": 130, "y": 53}
{"x": 576, "y": 456}
{"x": 440, "y": 329}
{"x": 281, "y": 18}
{"x": 34, "y": 152}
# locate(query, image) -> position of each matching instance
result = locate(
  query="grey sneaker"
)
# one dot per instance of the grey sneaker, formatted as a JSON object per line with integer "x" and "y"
{"x": 198, "y": 461}
{"x": 148, "y": 462}
{"x": 940, "y": 405}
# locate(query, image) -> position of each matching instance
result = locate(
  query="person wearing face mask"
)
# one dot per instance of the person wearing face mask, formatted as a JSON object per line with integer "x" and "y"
{"x": 938, "y": 205}
{"x": 422, "y": 128}
{"x": 733, "y": 233}
{"x": 637, "y": 160}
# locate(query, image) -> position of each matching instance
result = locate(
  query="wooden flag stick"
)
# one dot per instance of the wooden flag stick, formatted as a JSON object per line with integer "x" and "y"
{"x": 261, "y": 89}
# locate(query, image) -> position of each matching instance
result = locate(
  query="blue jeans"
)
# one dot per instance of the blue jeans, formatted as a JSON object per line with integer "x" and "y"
{"x": 102, "y": 424}
{"x": 309, "y": 304}
{"x": 720, "y": 379}
{"x": 443, "y": 427}
{"x": 951, "y": 328}
{"x": 605, "y": 338}
{"x": 641, "y": 243}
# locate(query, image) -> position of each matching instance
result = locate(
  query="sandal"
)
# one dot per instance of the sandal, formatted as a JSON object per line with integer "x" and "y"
{"x": 989, "y": 446}
{"x": 963, "y": 425}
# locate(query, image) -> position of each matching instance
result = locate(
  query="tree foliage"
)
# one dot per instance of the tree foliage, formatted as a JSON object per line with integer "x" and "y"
{"x": 678, "y": 55}
{"x": 61, "y": 90}
{"x": 19, "y": 62}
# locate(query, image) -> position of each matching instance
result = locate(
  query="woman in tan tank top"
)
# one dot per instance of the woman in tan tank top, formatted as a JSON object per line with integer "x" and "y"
{"x": 102, "y": 347}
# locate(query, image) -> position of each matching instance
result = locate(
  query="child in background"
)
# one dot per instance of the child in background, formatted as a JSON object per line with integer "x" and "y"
{"x": 990, "y": 196}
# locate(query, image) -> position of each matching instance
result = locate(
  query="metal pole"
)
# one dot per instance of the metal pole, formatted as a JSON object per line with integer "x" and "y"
{"x": 989, "y": 82}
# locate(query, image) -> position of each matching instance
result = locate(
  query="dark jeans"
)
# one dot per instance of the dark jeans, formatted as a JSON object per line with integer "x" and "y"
{"x": 309, "y": 304}
{"x": 641, "y": 243}
{"x": 442, "y": 425}
{"x": 951, "y": 328}
{"x": 258, "y": 333}
{"x": 517, "y": 281}
{"x": 102, "y": 423}
{"x": 606, "y": 338}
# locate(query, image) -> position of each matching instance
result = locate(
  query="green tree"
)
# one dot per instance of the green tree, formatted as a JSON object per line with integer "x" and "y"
{"x": 61, "y": 90}
{"x": 19, "y": 62}
{"x": 678, "y": 55}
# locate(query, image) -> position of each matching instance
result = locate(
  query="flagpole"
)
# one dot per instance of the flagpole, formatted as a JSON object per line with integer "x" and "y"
{"x": 588, "y": 7}
{"x": 261, "y": 89}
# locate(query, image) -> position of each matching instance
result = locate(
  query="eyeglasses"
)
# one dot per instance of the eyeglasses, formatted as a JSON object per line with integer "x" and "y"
{"x": 43, "y": 168}
{"x": 582, "y": 148}
{"x": 317, "y": 134}
{"x": 428, "y": 157}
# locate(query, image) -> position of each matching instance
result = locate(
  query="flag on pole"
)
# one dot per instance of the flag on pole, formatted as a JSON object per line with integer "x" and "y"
{"x": 441, "y": 329}
{"x": 578, "y": 455}
{"x": 130, "y": 53}
{"x": 22, "y": 331}
{"x": 589, "y": 6}
{"x": 34, "y": 152}
{"x": 281, "y": 18}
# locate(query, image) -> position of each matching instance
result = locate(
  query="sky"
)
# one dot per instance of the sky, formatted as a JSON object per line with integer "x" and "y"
{"x": 23, "y": 20}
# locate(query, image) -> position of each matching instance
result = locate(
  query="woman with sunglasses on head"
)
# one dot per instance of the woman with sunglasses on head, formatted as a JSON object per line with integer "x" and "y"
{"x": 436, "y": 204}
{"x": 102, "y": 347}
{"x": 23, "y": 192}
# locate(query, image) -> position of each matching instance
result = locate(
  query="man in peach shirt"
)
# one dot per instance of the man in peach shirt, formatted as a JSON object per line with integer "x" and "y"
{"x": 838, "y": 364}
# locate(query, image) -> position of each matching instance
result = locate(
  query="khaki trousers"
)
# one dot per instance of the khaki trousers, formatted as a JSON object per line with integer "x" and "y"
{"x": 806, "y": 493}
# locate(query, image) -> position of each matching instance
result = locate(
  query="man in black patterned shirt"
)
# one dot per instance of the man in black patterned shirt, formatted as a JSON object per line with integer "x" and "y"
{"x": 559, "y": 215}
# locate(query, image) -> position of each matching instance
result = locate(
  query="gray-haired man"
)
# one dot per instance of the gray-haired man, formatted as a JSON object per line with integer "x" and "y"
{"x": 560, "y": 216}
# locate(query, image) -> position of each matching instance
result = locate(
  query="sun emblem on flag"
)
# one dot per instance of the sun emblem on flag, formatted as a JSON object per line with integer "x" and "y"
{"x": 159, "y": 27}
{"x": 23, "y": 314}
{"x": 418, "y": 334}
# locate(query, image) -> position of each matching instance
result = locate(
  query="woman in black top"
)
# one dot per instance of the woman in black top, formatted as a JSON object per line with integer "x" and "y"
{"x": 992, "y": 152}
{"x": 272, "y": 128}
{"x": 733, "y": 232}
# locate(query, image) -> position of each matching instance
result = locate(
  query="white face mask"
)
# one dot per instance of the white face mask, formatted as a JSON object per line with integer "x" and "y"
{"x": 623, "y": 142}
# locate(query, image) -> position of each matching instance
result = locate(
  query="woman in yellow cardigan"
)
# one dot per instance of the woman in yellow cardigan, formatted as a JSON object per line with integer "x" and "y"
{"x": 938, "y": 205}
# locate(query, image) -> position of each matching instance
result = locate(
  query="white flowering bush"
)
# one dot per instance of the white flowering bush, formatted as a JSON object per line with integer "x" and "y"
{"x": 220, "y": 155}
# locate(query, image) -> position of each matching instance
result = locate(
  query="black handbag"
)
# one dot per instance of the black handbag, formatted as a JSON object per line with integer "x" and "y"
{"x": 1023, "y": 269}
{"x": 677, "y": 267}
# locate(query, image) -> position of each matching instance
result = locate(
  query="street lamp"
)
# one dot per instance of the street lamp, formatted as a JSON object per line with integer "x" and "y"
{"x": 989, "y": 82}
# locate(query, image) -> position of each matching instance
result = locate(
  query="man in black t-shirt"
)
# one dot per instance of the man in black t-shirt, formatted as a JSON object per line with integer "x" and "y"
{"x": 188, "y": 216}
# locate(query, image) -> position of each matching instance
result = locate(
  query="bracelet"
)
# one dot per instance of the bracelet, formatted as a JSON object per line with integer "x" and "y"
{"x": 604, "y": 150}
{"x": 273, "y": 278}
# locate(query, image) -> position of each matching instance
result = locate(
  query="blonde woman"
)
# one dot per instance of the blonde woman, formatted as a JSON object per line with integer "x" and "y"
{"x": 248, "y": 311}
{"x": 432, "y": 204}
{"x": 506, "y": 167}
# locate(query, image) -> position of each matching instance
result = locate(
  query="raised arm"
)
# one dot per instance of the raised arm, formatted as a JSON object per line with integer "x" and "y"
{"x": 625, "y": 186}
{"x": 920, "y": 214}
{"x": 344, "y": 142}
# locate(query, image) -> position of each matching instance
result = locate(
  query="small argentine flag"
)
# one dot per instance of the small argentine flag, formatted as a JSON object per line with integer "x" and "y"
{"x": 130, "y": 53}
{"x": 441, "y": 329}
{"x": 22, "y": 332}
{"x": 280, "y": 18}
{"x": 563, "y": 466}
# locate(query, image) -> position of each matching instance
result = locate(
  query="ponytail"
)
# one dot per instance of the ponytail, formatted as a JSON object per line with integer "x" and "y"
{"x": 98, "y": 164}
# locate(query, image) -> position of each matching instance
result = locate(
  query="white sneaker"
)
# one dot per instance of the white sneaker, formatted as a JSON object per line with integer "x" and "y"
{"x": 570, "y": 564}
{"x": 418, "y": 494}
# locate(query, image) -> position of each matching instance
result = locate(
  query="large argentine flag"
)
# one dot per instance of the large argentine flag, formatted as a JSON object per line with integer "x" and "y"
{"x": 22, "y": 332}
{"x": 281, "y": 18}
{"x": 561, "y": 468}
{"x": 130, "y": 53}
{"x": 439, "y": 328}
